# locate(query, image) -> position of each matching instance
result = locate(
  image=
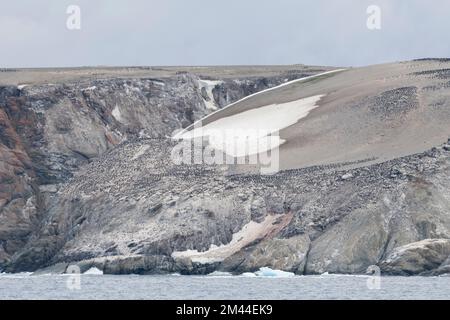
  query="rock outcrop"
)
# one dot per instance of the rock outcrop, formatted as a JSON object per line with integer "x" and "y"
{"x": 131, "y": 210}
{"x": 417, "y": 257}
{"x": 51, "y": 128}
{"x": 88, "y": 180}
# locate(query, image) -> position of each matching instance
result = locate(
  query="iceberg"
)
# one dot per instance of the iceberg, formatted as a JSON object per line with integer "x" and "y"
{"x": 219, "y": 274}
{"x": 268, "y": 272}
{"x": 93, "y": 271}
{"x": 248, "y": 274}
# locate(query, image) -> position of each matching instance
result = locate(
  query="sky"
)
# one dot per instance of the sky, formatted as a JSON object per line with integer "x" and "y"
{"x": 212, "y": 32}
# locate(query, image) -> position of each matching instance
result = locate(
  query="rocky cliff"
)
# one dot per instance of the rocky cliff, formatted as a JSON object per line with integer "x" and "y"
{"x": 55, "y": 121}
{"x": 88, "y": 179}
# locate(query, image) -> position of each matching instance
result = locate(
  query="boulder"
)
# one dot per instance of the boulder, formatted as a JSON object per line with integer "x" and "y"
{"x": 417, "y": 257}
{"x": 280, "y": 254}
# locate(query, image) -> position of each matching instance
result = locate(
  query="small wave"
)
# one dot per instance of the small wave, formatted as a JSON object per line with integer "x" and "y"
{"x": 248, "y": 274}
{"x": 15, "y": 275}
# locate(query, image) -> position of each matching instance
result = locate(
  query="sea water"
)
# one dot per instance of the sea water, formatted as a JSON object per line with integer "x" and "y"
{"x": 262, "y": 285}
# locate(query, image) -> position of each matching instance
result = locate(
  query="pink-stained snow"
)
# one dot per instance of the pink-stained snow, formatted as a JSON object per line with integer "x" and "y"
{"x": 250, "y": 232}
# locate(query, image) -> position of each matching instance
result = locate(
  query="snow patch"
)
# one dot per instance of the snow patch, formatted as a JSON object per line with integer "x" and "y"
{"x": 158, "y": 83}
{"x": 253, "y": 126}
{"x": 199, "y": 122}
{"x": 130, "y": 89}
{"x": 116, "y": 113}
{"x": 209, "y": 86}
{"x": 15, "y": 275}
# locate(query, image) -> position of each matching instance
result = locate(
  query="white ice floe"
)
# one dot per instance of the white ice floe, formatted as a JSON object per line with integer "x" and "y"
{"x": 249, "y": 132}
{"x": 94, "y": 271}
{"x": 219, "y": 274}
{"x": 21, "y": 86}
{"x": 250, "y": 232}
{"x": 268, "y": 272}
{"x": 248, "y": 274}
{"x": 262, "y": 272}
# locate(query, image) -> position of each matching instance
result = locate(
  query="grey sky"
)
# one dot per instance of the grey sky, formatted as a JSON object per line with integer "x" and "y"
{"x": 207, "y": 32}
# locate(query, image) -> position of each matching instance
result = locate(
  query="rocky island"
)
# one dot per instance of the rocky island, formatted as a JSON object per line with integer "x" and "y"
{"x": 87, "y": 177}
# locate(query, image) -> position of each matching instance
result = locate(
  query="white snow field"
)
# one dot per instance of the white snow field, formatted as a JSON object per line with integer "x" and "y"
{"x": 198, "y": 123}
{"x": 247, "y": 133}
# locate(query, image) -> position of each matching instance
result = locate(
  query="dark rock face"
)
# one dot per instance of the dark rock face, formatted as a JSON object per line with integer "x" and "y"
{"x": 19, "y": 195}
{"x": 230, "y": 91}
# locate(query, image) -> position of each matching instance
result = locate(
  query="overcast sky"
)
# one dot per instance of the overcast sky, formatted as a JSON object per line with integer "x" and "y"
{"x": 212, "y": 32}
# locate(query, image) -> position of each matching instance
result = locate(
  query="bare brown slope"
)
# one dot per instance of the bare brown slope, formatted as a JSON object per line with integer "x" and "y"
{"x": 373, "y": 113}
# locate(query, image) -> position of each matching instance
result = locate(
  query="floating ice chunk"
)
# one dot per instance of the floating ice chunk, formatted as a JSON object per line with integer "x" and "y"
{"x": 94, "y": 271}
{"x": 268, "y": 272}
{"x": 219, "y": 274}
{"x": 248, "y": 274}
